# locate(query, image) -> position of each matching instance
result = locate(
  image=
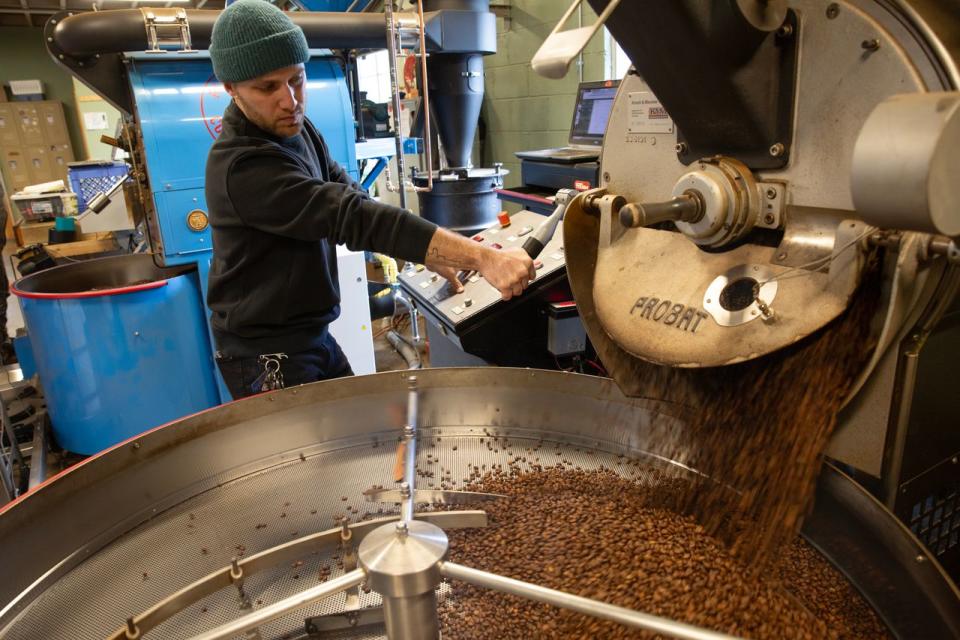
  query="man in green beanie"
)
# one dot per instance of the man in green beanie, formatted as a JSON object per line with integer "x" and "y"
{"x": 279, "y": 205}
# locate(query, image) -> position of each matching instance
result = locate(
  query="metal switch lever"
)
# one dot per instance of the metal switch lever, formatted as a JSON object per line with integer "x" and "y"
{"x": 539, "y": 239}
{"x": 685, "y": 208}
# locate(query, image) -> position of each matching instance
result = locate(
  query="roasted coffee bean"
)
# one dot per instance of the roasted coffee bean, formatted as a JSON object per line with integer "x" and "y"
{"x": 599, "y": 535}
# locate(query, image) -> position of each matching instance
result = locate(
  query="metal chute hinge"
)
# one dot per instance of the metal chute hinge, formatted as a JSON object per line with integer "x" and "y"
{"x": 167, "y": 30}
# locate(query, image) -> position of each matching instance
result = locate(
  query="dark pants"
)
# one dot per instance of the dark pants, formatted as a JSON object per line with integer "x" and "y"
{"x": 243, "y": 375}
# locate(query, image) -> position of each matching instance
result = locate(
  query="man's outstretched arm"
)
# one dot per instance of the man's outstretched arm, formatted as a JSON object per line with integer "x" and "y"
{"x": 509, "y": 270}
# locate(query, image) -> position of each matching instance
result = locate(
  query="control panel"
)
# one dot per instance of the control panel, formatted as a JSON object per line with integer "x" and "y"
{"x": 458, "y": 312}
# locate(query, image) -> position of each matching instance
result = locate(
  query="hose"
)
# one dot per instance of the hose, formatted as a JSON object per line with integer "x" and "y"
{"x": 405, "y": 349}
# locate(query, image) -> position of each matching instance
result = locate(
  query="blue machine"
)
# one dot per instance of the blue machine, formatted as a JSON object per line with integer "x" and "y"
{"x": 117, "y": 360}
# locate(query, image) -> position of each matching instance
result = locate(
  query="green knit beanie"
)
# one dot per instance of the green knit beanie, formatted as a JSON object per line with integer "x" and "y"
{"x": 253, "y": 37}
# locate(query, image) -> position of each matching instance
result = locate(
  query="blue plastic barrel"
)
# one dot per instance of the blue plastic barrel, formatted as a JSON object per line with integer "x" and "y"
{"x": 121, "y": 346}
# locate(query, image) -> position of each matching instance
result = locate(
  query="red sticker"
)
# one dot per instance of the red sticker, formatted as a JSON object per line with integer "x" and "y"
{"x": 581, "y": 185}
{"x": 215, "y": 96}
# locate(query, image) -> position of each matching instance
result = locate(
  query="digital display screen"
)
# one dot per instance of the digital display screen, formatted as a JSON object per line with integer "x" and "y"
{"x": 591, "y": 112}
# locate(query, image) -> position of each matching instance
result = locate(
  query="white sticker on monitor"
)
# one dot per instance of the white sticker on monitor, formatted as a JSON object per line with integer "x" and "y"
{"x": 647, "y": 115}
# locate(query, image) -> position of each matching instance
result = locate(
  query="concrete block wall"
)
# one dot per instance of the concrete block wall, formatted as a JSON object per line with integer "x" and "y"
{"x": 523, "y": 110}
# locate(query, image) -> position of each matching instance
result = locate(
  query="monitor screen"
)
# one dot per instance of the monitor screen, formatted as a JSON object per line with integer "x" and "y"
{"x": 591, "y": 111}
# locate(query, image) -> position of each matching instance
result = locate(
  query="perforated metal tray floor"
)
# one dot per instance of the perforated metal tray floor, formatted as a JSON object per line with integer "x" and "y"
{"x": 184, "y": 543}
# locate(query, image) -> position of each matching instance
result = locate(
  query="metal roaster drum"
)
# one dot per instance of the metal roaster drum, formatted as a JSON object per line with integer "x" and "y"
{"x": 119, "y": 346}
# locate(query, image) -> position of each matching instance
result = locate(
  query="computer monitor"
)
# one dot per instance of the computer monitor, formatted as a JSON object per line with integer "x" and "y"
{"x": 591, "y": 112}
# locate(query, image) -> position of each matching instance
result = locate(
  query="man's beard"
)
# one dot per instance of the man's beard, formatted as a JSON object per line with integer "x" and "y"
{"x": 270, "y": 127}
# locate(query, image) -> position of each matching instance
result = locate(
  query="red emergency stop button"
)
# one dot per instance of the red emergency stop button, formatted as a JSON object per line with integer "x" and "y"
{"x": 504, "y": 219}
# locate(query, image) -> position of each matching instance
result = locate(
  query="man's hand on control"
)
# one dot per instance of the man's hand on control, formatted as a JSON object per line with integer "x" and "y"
{"x": 452, "y": 276}
{"x": 509, "y": 271}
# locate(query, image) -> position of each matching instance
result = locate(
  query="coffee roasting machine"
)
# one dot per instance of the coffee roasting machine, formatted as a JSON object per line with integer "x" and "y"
{"x": 755, "y": 140}
{"x": 761, "y": 194}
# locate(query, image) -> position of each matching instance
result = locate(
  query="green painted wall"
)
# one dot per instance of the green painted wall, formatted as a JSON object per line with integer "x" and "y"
{"x": 90, "y": 102}
{"x": 523, "y": 110}
{"x": 23, "y": 57}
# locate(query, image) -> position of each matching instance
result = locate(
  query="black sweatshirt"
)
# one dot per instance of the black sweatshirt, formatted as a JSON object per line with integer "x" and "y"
{"x": 278, "y": 208}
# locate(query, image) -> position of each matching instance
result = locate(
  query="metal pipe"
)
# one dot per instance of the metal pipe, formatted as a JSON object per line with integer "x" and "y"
{"x": 38, "y": 453}
{"x": 410, "y": 453}
{"x": 594, "y": 608}
{"x": 425, "y": 104}
{"x": 405, "y": 349}
{"x": 687, "y": 208}
{"x": 118, "y": 30}
{"x": 411, "y": 618}
{"x": 29, "y": 12}
{"x": 278, "y": 609}
{"x": 395, "y": 100}
{"x": 400, "y": 298}
{"x": 354, "y": 75}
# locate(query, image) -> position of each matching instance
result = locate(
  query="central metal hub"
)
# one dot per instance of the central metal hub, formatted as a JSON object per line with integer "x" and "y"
{"x": 729, "y": 201}
{"x": 402, "y": 561}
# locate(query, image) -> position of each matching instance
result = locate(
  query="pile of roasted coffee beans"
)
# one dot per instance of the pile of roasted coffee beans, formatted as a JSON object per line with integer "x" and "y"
{"x": 599, "y": 535}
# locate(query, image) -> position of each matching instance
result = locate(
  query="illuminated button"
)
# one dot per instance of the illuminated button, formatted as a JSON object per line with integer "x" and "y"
{"x": 474, "y": 278}
{"x": 420, "y": 268}
{"x": 424, "y": 284}
{"x": 457, "y": 310}
{"x": 493, "y": 231}
{"x": 525, "y": 231}
{"x": 512, "y": 239}
{"x": 556, "y": 256}
{"x": 504, "y": 218}
{"x": 478, "y": 238}
{"x": 497, "y": 245}
{"x": 468, "y": 302}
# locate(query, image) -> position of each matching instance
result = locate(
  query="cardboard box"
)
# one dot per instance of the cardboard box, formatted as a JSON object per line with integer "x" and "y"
{"x": 32, "y": 232}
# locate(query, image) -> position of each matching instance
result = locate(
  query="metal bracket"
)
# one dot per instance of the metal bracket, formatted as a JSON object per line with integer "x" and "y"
{"x": 773, "y": 199}
{"x": 346, "y": 620}
{"x": 167, "y": 30}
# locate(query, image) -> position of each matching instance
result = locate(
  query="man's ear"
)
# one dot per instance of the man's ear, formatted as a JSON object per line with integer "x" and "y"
{"x": 231, "y": 89}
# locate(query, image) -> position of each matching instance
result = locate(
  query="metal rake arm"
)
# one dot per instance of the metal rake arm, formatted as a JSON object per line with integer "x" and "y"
{"x": 589, "y": 607}
{"x": 278, "y": 609}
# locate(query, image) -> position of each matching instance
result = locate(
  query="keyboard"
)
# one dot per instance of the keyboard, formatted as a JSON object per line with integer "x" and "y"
{"x": 560, "y": 153}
